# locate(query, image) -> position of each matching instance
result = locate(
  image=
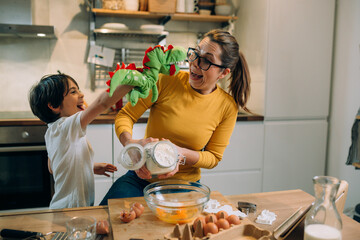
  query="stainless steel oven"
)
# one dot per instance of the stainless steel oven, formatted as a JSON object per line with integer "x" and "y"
{"x": 25, "y": 181}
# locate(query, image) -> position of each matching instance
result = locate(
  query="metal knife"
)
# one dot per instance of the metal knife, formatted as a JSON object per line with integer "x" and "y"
{"x": 12, "y": 233}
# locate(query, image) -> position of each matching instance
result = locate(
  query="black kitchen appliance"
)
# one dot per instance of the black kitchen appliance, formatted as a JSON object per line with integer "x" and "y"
{"x": 25, "y": 181}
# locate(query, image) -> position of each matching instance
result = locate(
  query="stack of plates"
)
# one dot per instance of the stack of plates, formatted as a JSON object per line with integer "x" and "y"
{"x": 152, "y": 28}
{"x": 115, "y": 26}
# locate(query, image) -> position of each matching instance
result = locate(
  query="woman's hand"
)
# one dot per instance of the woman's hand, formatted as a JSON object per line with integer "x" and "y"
{"x": 143, "y": 172}
{"x": 169, "y": 174}
{"x": 176, "y": 169}
{"x": 142, "y": 142}
{"x": 102, "y": 168}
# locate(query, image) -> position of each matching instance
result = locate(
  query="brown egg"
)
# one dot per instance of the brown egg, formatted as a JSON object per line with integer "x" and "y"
{"x": 137, "y": 211}
{"x": 221, "y": 214}
{"x": 210, "y": 218}
{"x": 210, "y": 228}
{"x": 102, "y": 227}
{"x": 127, "y": 216}
{"x": 138, "y": 208}
{"x": 201, "y": 219}
{"x": 233, "y": 219}
{"x": 139, "y": 205}
{"x": 223, "y": 223}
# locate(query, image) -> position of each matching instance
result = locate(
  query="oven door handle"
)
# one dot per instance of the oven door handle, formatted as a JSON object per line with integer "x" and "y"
{"x": 23, "y": 149}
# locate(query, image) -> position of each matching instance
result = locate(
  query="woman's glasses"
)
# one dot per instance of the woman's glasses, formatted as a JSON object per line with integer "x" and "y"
{"x": 203, "y": 63}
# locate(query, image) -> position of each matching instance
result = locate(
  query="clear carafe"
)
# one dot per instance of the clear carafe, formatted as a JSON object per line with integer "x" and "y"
{"x": 323, "y": 221}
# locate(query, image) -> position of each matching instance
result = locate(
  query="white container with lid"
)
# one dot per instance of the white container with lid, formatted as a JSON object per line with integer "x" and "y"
{"x": 160, "y": 157}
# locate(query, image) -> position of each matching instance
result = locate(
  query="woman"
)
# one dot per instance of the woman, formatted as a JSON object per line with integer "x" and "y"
{"x": 192, "y": 111}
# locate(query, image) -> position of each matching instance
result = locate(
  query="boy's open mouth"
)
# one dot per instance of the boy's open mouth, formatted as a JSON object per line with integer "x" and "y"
{"x": 81, "y": 107}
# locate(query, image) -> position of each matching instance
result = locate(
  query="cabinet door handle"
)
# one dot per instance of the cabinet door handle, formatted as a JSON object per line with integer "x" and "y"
{"x": 23, "y": 149}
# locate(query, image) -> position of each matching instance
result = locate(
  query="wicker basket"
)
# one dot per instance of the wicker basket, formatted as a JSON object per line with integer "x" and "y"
{"x": 162, "y": 6}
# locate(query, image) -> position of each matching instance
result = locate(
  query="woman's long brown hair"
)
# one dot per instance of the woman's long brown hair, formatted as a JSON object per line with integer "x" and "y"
{"x": 235, "y": 60}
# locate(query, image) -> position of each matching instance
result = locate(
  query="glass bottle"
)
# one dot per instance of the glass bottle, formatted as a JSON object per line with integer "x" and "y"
{"x": 323, "y": 221}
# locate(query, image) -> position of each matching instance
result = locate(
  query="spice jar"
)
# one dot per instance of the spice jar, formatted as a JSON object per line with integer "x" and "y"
{"x": 160, "y": 157}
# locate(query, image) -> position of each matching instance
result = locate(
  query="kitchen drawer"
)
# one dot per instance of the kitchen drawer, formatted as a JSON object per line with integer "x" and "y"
{"x": 102, "y": 185}
{"x": 230, "y": 183}
{"x": 245, "y": 150}
{"x": 100, "y": 139}
{"x": 294, "y": 152}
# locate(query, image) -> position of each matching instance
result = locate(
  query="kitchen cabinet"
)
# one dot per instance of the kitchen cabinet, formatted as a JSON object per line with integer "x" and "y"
{"x": 100, "y": 138}
{"x": 294, "y": 152}
{"x": 292, "y": 55}
{"x": 288, "y": 45}
{"x": 241, "y": 169}
{"x": 300, "y": 41}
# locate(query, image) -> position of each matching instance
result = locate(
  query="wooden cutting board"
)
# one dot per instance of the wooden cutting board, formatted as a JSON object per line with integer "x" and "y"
{"x": 147, "y": 226}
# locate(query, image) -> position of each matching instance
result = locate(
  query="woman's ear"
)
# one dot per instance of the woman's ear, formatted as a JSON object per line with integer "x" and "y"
{"x": 55, "y": 110}
{"x": 225, "y": 72}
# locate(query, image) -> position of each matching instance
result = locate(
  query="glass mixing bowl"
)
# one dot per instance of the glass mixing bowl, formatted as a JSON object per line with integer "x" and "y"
{"x": 176, "y": 201}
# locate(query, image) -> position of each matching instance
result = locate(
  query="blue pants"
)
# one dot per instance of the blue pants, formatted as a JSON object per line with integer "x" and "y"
{"x": 128, "y": 185}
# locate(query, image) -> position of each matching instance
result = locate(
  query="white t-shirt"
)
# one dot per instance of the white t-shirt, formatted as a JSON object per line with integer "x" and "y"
{"x": 71, "y": 160}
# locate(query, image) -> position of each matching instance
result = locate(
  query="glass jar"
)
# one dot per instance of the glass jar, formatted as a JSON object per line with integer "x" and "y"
{"x": 323, "y": 221}
{"x": 113, "y": 4}
{"x": 160, "y": 157}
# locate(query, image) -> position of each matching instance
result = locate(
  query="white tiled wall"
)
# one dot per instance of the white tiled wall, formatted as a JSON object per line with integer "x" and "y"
{"x": 24, "y": 61}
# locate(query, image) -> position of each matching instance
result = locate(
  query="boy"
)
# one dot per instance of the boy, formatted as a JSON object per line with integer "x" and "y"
{"x": 57, "y": 100}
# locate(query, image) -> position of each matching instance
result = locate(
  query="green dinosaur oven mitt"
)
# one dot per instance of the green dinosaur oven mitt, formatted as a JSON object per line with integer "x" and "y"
{"x": 156, "y": 60}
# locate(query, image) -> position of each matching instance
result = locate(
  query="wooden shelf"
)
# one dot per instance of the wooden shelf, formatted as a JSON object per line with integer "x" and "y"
{"x": 151, "y": 15}
{"x": 131, "y": 33}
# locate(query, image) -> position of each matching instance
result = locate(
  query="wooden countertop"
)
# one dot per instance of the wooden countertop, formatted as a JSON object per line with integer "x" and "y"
{"x": 282, "y": 203}
{"x": 28, "y": 119}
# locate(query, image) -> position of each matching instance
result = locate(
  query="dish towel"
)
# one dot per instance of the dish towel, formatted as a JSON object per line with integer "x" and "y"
{"x": 354, "y": 151}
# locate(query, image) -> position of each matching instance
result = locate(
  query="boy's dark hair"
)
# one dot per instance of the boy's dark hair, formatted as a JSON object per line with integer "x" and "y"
{"x": 50, "y": 90}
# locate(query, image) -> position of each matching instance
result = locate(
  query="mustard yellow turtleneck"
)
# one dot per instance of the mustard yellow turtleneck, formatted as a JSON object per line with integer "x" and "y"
{"x": 203, "y": 123}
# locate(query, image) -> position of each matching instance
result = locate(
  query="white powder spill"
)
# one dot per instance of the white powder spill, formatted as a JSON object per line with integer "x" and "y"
{"x": 266, "y": 217}
{"x": 213, "y": 206}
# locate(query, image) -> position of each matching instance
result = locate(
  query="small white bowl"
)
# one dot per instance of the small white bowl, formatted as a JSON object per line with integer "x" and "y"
{"x": 223, "y": 10}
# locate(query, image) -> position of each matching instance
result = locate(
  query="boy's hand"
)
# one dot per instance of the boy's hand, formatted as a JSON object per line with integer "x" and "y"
{"x": 102, "y": 168}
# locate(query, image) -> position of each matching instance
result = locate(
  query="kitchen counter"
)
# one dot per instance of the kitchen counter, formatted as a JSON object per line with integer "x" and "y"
{"x": 27, "y": 118}
{"x": 282, "y": 203}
